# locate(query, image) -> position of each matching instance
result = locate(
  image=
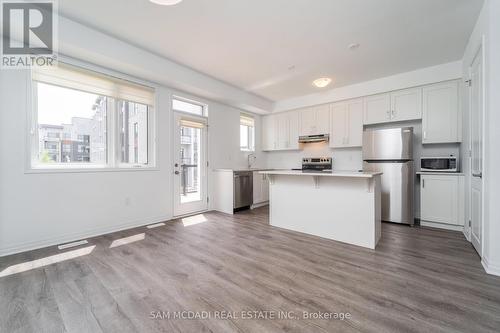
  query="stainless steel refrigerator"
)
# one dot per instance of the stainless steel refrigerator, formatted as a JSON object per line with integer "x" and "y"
{"x": 391, "y": 151}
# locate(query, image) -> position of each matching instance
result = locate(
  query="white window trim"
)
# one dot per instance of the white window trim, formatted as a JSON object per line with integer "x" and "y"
{"x": 113, "y": 163}
{"x": 188, "y": 100}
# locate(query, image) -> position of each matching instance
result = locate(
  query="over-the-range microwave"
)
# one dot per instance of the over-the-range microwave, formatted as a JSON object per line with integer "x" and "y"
{"x": 439, "y": 164}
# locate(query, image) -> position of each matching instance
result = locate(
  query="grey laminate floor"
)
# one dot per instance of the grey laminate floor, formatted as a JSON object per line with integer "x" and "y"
{"x": 417, "y": 280}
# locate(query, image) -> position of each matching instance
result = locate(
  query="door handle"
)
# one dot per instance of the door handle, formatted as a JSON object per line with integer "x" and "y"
{"x": 423, "y": 183}
{"x": 477, "y": 174}
{"x": 176, "y": 172}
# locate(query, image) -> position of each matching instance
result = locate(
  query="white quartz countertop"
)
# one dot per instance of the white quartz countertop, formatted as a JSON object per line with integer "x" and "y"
{"x": 242, "y": 169}
{"x": 440, "y": 173}
{"x": 351, "y": 174}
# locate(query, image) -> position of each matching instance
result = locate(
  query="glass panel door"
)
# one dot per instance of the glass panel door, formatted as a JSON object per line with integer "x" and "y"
{"x": 190, "y": 194}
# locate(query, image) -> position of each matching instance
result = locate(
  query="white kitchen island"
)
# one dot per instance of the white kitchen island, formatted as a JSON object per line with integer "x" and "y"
{"x": 340, "y": 205}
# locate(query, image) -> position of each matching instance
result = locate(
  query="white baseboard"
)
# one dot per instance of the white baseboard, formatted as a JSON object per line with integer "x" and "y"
{"x": 490, "y": 268}
{"x": 442, "y": 226}
{"x": 29, "y": 246}
{"x": 262, "y": 204}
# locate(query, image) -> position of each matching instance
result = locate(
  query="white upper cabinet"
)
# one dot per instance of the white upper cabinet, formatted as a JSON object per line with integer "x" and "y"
{"x": 346, "y": 124}
{"x": 377, "y": 109}
{"x": 307, "y": 121}
{"x": 406, "y": 104}
{"x": 280, "y": 131}
{"x": 269, "y": 133}
{"x": 293, "y": 134}
{"x": 315, "y": 120}
{"x": 398, "y": 105}
{"x": 441, "y": 117}
{"x": 322, "y": 119}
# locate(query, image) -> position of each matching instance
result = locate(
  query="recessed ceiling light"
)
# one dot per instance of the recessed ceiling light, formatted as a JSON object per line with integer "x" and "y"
{"x": 166, "y": 2}
{"x": 353, "y": 46}
{"x": 322, "y": 82}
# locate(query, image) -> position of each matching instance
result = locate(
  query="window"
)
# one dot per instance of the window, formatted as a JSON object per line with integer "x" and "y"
{"x": 189, "y": 107}
{"x": 247, "y": 133}
{"x": 133, "y": 119}
{"x": 81, "y": 115}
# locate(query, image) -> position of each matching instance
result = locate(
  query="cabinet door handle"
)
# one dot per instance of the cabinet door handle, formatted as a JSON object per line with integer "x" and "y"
{"x": 388, "y": 114}
{"x": 423, "y": 183}
{"x": 478, "y": 175}
{"x": 393, "y": 114}
{"x": 425, "y": 135}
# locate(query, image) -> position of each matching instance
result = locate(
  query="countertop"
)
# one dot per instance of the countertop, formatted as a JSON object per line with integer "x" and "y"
{"x": 241, "y": 169}
{"x": 440, "y": 173}
{"x": 348, "y": 174}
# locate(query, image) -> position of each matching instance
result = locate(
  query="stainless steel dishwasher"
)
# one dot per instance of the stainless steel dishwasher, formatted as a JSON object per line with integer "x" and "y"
{"x": 243, "y": 189}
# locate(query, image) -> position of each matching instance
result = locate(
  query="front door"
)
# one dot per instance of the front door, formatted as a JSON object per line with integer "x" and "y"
{"x": 476, "y": 156}
{"x": 190, "y": 164}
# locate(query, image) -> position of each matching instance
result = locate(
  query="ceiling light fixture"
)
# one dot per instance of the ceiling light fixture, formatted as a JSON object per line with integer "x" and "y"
{"x": 166, "y": 2}
{"x": 322, "y": 82}
{"x": 353, "y": 46}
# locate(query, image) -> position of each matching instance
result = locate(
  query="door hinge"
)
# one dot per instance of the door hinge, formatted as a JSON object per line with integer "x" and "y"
{"x": 469, "y": 82}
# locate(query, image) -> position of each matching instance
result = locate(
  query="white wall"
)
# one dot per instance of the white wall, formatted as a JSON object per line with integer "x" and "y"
{"x": 488, "y": 26}
{"x": 420, "y": 77}
{"x": 38, "y": 210}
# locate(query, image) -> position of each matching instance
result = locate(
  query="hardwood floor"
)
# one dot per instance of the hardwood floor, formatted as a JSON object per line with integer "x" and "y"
{"x": 417, "y": 280}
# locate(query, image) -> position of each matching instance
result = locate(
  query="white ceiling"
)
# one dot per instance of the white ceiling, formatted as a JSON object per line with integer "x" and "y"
{"x": 276, "y": 48}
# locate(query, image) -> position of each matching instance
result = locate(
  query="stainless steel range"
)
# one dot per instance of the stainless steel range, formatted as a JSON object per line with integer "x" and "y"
{"x": 317, "y": 164}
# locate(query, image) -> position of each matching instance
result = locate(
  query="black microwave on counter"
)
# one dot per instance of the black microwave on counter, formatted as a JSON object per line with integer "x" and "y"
{"x": 439, "y": 164}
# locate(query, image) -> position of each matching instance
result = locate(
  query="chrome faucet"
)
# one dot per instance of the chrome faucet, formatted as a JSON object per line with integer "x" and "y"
{"x": 251, "y": 157}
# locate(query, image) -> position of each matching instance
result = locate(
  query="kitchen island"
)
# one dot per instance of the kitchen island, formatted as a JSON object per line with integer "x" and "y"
{"x": 342, "y": 205}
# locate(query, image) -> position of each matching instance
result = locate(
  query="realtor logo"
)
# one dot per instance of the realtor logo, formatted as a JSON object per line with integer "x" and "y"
{"x": 28, "y": 30}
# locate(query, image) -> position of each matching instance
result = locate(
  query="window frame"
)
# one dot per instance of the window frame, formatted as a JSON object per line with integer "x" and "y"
{"x": 113, "y": 162}
{"x": 250, "y": 136}
{"x": 204, "y": 106}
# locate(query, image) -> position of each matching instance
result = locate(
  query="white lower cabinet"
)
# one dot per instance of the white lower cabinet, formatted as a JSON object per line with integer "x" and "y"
{"x": 260, "y": 188}
{"x": 442, "y": 199}
{"x": 346, "y": 124}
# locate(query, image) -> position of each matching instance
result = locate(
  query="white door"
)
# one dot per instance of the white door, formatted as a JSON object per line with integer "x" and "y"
{"x": 439, "y": 199}
{"x": 377, "y": 109}
{"x": 190, "y": 164}
{"x": 406, "y": 104}
{"x": 338, "y": 126}
{"x": 476, "y": 145}
{"x": 269, "y": 132}
{"x": 307, "y": 121}
{"x": 283, "y": 121}
{"x": 355, "y": 123}
{"x": 322, "y": 121}
{"x": 293, "y": 130}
